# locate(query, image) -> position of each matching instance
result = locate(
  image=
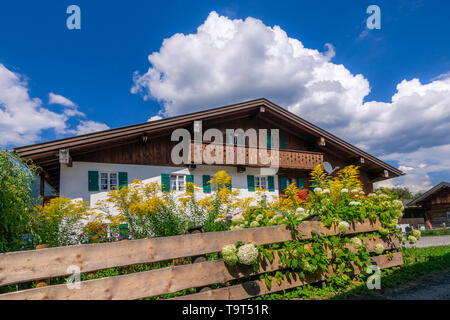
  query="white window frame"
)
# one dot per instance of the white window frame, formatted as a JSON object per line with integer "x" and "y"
{"x": 109, "y": 185}
{"x": 179, "y": 178}
{"x": 258, "y": 182}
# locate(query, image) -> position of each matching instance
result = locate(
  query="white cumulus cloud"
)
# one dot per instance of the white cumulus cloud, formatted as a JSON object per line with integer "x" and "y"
{"x": 58, "y": 99}
{"x": 154, "y": 118}
{"x": 22, "y": 118}
{"x": 89, "y": 126}
{"x": 418, "y": 174}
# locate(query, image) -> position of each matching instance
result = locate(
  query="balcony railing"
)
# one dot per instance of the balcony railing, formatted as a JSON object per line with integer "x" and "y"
{"x": 205, "y": 153}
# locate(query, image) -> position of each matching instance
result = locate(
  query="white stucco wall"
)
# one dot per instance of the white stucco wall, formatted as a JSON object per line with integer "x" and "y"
{"x": 74, "y": 180}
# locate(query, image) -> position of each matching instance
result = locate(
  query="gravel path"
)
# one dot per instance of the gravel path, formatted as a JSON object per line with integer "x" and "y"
{"x": 430, "y": 288}
{"x": 431, "y": 241}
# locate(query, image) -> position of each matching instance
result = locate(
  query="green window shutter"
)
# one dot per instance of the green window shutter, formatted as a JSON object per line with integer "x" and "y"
{"x": 190, "y": 179}
{"x": 283, "y": 183}
{"x": 229, "y": 185}
{"x": 301, "y": 183}
{"x": 283, "y": 142}
{"x": 271, "y": 183}
{"x": 206, "y": 184}
{"x": 165, "y": 182}
{"x": 269, "y": 141}
{"x": 93, "y": 181}
{"x": 123, "y": 179}
{"x": 251, "y": 183}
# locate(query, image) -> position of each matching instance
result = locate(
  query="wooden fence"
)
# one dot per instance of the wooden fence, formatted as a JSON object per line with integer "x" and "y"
{"x": 26, "y": 266}
{"x": 413, "y": 221}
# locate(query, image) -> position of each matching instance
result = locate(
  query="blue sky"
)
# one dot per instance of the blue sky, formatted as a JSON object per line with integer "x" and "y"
{"x": 93, "y": 69}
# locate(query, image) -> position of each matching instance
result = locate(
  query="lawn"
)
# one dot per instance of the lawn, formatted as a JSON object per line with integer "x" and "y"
{"x": 418, "y": 262}
{"x": 436, "y": 232}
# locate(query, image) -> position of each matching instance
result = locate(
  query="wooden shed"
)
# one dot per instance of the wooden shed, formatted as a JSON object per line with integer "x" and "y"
{"x": 435, "y": 203}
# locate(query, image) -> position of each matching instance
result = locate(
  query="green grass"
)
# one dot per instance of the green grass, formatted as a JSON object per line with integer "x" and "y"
{"x": 436, "y": 232}
{"x": 418, "y": 262}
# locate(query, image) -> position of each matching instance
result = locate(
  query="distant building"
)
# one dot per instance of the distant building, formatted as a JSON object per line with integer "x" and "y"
{"x": 434, "y": 204}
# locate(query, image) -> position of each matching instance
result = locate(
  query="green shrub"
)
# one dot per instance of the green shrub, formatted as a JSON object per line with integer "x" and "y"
{"x": 16, "y": 201}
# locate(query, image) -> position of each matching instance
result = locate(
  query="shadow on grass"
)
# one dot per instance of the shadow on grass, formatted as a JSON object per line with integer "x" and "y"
{"x": 407, "y": 274}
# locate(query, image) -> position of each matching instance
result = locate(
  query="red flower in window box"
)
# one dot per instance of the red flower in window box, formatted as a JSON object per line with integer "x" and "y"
{"x": 303, "y": 194}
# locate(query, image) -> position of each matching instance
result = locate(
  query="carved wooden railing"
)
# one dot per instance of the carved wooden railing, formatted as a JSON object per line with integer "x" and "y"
{"x": 247, "y": 156}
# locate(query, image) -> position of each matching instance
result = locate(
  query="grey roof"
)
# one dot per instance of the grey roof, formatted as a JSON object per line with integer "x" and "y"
{"x": 429, "y": 193}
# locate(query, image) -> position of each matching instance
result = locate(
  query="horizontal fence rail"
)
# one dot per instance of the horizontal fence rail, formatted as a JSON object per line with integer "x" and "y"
{"x": 23, "y": 266}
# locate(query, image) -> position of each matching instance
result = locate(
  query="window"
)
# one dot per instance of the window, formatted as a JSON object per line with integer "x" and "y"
{"x": 177, "y": 182}
{"x": 108, "y": 181}
{"x": 291, "y": 181}
{"x": 261, "y": 182}
{"x": 448, "y": 216}
{"x": 235, "y": 139}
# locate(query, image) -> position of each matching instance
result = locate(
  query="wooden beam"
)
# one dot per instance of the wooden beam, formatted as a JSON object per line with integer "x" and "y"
{"x": 41, "y": 187}
{"x": 65, "y": 158}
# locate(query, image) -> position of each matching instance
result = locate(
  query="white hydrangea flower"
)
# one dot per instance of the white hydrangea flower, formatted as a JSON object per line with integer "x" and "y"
{"x": 357, "y": 243}
{"x": 229, "y": 254}
{"x": 412, "y": 239}
{"x": 372, "y": 195}
{"x": 354, "y": 203}
{"x": 398, "y": 214}
{"x": 308, "y": 267}
{"x": 355, "y": 191}
{"x": 343, "y": 226}
{"x": 259, "y": 217}
{"x": 325, "y": 191}
{"x": 383, "y": 231}
{"x": 229, "y": 249}
{"x": 300, "y": 210}
{"x": 254, "y": 224}
{"x": 383, "y": 195}
{"x": 237, "y": 219}
{"x": 416, "y": 233}
{"x": 344, "y": 190}
{"x": 394, "y": 222}
{"x": 317, "y": 190}
{"x": 379, "y": 248}
{"x": 362, "y": 192}
{"x": 248, "y": 254}
{"x": 300, "y": 213}
{"x": 398, "y": 204}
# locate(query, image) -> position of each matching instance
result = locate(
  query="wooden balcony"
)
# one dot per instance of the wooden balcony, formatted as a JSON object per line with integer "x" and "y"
{"x": 253, "y": 157}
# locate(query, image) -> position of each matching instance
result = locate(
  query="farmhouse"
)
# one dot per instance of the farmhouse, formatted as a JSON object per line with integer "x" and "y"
{"x": 88, "y": 166}
{"x": 435, "y": 204}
